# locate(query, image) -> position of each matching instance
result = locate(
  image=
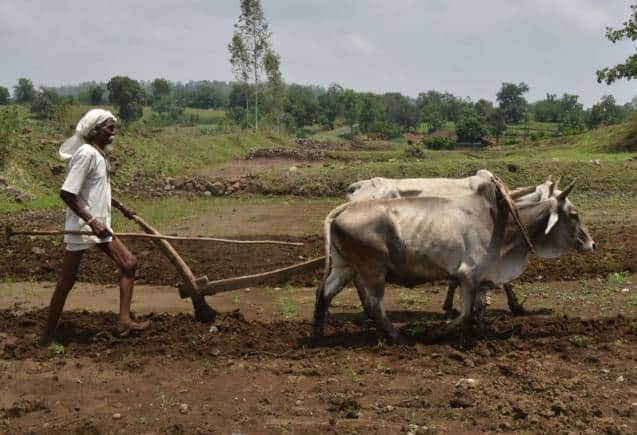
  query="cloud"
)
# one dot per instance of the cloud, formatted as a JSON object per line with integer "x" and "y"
{"x": 463, "y": 46}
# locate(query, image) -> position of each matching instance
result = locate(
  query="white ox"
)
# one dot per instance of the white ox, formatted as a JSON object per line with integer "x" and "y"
{"x": 387, "y": 188}
{"x": 467, "y": 238}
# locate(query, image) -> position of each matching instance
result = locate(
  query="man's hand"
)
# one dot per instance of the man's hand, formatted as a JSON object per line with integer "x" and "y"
{"x": 99, "y": 229}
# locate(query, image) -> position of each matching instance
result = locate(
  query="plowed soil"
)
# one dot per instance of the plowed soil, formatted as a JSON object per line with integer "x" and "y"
{"x": 569, "y": 366}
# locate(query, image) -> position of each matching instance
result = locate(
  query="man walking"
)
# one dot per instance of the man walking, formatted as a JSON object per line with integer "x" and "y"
{"x": 87, "y": 193}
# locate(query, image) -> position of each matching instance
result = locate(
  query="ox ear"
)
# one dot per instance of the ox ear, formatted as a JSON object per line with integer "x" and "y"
{"x": 551, "y": 189}
{"x": 553, "y": 217}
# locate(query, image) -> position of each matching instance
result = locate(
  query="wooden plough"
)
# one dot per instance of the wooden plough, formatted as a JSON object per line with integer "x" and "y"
{"x": 197, "y": 288}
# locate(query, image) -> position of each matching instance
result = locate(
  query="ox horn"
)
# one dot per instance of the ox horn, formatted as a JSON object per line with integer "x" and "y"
{"x": 549, "y": 178}
{"x": 564, "y": 193}
{"x": 521, "y": 191}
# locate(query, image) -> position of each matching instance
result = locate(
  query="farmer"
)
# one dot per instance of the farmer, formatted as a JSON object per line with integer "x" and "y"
{"x": 87, "y": 193}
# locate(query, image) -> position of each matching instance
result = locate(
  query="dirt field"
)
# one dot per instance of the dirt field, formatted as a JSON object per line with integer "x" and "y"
{"x": 568, "y": 366}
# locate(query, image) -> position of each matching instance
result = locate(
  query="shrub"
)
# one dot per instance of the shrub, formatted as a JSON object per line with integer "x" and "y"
{"x": 439, "y": 143}
{"x": 9, "y": 125}
{"x": 384, "y": 130}
{"x": 470, "y": 128}
{"x": 414, "y": 151}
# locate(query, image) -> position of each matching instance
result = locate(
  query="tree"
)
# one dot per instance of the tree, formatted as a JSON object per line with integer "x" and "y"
{"x": 370, "y": 112}
{"x": 399, "y": 110}
{"x": 351, "y": 108}
{"x": 434, "y": 122}
{"x": 511, "y": 101}
{"x": 302, "y": 105}
{"x": 547, "y": 110}
{"x": 446, "y": 105}
{"x": 95, "y": 94}
{"x": 470, "y": 127}
{"x": 331, "y": 104}
{"x": 237, "y": 108}
{"x": 47, "y": 104}
{"x": 628, "y": 69}
{"x": 160, "y": 88}
{"x": 606, "y": 112}
{"x": 23, "y": 92}
{"x": 276, "y": 88}
{"x": 497, "y": 125}
{"x": 5, "y": 96}
{"x": 484, "y": 108}
{"x": 249, "y": 46}
{"x": 127, "y": 94}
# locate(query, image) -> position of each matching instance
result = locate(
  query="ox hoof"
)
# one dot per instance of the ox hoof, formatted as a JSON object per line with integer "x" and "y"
{"x": 398, "y": 339}
{"x": 517, "y": 310}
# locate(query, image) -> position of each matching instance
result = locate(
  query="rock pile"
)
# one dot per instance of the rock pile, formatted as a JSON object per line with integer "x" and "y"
{"x": 209, "y": 186}
{"x": 19, "y": 196}
{"x": 284, "y": 153}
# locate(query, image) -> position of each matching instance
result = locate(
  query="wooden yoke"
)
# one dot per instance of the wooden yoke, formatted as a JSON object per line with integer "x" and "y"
{"x": 506, "y": 196}
{"x": 189, "y": 288}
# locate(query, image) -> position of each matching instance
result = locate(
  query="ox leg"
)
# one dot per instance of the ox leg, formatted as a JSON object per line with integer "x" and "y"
{"x": 332, "y": 285}
{"x": 451, "y": 290}
{"x": 362, "y": 293}
{"x": 375, "y": 309}
{"x": 469, "y": 289}
{"x": 515, "y": 307}
{"x": 480, "y": 308}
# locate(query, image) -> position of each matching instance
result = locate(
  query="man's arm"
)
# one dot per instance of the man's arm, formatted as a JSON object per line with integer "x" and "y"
{"x": 98, "y": 228}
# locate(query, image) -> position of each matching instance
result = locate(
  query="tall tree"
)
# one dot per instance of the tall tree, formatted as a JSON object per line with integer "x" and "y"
{"x": 371, "y": 111}
{"x": 161, "y": 88}
{"x": 605, "y": 112}
{"x": 249, "y": 46}
{"x": 276, "y": 88}
{"x": 127, "y": 94}
{"x": 331, "y": 104}
{"x": 400, "y": 111}
{"x": 95, "y": 95}
{"x": 5, "y": 96}
{"x": 628, "y": 69}
{"x": 511, "y": 101}
{"x": 24, "y": 92}
{"x": 497, "y": 125}
{"x": 351, "y": 107}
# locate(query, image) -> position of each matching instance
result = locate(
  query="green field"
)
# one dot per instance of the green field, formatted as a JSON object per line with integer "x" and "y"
{"x": 146, "y": 151}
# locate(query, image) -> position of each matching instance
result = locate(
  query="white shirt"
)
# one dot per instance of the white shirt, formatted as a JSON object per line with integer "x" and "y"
{"x": 89, "y": 179}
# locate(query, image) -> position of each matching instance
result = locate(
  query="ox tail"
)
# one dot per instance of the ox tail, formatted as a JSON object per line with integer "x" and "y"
{"x": 327, "y": 228}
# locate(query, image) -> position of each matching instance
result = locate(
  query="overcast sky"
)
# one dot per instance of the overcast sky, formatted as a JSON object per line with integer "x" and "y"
{"x": 467, "y": 47}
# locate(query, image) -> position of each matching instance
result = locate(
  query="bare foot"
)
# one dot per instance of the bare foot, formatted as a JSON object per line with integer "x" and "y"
{"x": 125, "y": 328}
{"x": 45, "y": 340}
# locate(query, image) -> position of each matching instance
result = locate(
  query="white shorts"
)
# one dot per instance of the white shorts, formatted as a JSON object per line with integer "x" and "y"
{"x": 74, "y": 247}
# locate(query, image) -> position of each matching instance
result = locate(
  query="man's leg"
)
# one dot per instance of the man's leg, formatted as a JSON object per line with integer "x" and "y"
{"x": 70, "y": 265}
{"x": 127, "y": 263}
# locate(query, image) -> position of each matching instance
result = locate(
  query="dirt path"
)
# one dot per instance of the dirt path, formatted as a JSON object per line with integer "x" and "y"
{"x": 240, "y": 168}
{"x": 258, "y": 370}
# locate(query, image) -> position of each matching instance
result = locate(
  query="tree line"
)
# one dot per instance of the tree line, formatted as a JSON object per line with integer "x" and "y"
{"x": 295, "y": 107}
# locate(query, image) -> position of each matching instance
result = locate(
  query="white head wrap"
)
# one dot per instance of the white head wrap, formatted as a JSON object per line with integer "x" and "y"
{"x": 88, "y": 122}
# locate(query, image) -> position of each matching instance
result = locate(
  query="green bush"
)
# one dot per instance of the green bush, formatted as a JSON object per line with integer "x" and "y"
{"x": 384, "y": 130}
{"x": 414, "y": 151}
{"x": 439, "y": 143}
{"x": 470, "y": 128}
{"x": 9, "y": 126}
{"x": 303, "y": 132}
